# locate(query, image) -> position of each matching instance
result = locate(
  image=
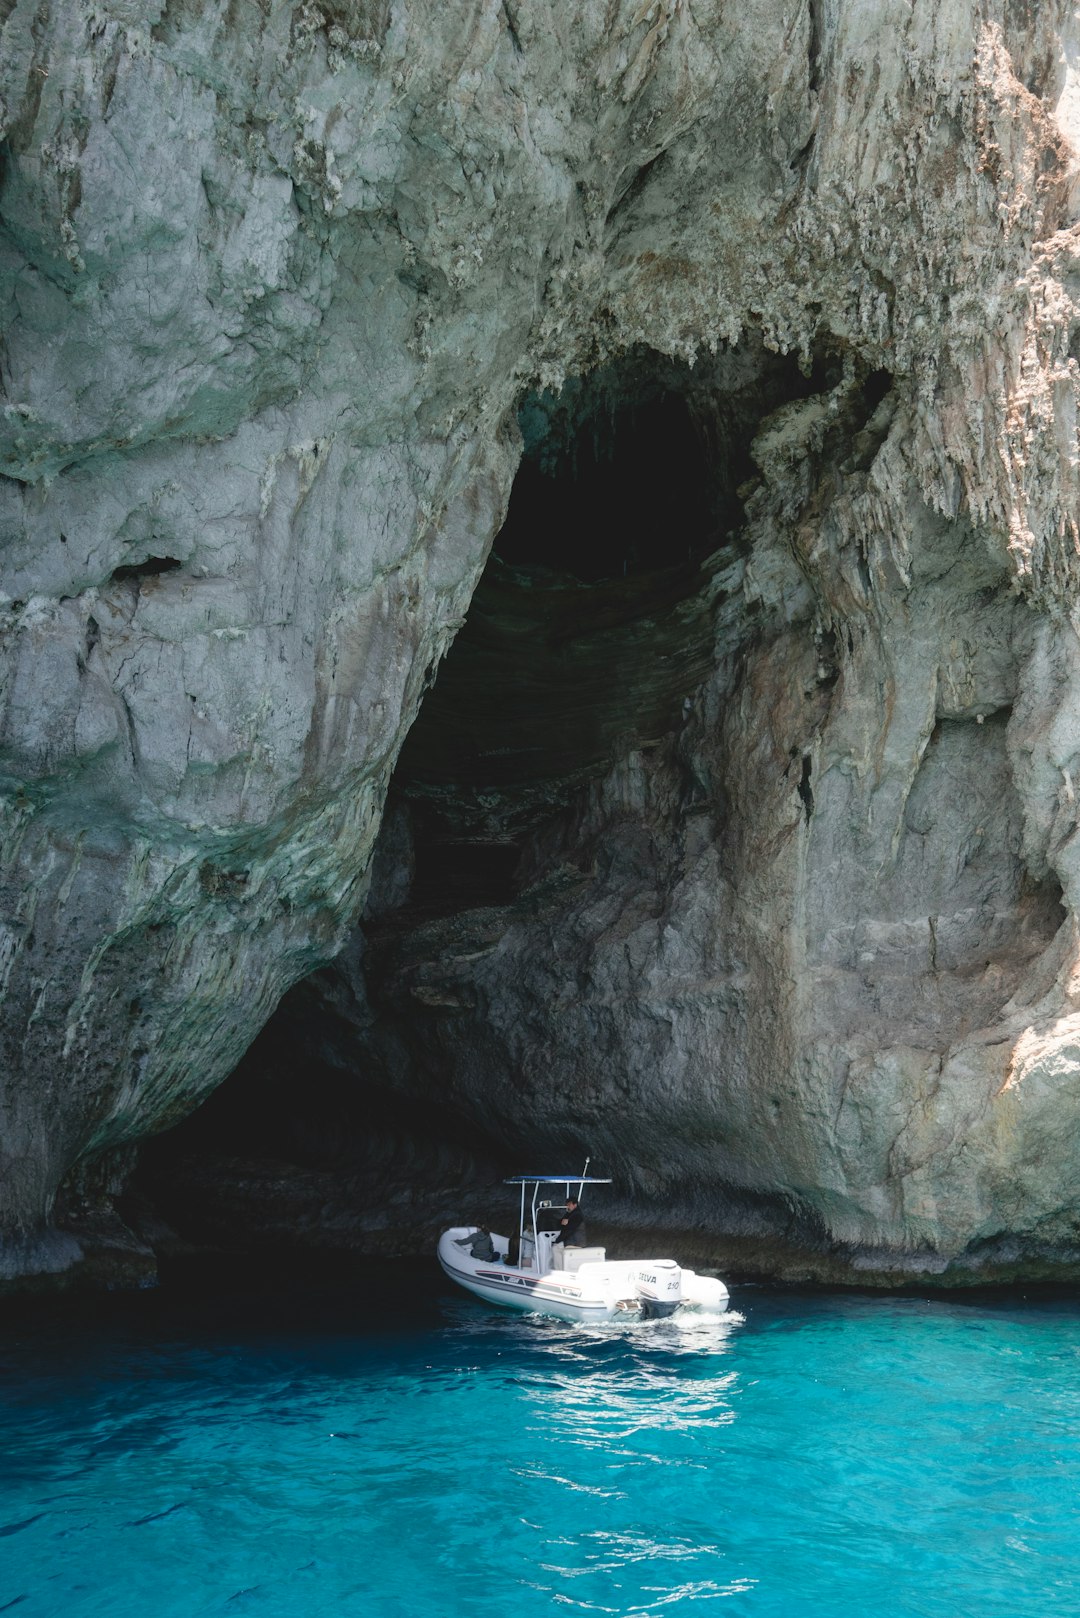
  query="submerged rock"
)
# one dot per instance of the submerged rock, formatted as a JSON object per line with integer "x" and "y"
{"x": 785, "y": 903}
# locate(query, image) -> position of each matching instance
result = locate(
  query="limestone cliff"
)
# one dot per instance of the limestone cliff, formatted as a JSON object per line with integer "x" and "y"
{"x": 277, "y": 280}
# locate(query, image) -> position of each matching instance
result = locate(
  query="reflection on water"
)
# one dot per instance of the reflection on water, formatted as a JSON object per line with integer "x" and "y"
{"x": 610, "y": 1407}
{"x": 811, "y": 1456}
{"x": 602, "y": 1395}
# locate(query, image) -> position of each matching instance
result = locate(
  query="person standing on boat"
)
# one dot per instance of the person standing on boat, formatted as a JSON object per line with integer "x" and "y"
{"x": 572, "y": 1228}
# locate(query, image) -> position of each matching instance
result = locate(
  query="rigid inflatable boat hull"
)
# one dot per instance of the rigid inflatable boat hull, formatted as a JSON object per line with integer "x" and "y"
{"x": 596, "y": 1289}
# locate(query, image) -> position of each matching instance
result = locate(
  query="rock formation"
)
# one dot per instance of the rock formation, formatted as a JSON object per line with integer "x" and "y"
{"x": 775, "y": 827}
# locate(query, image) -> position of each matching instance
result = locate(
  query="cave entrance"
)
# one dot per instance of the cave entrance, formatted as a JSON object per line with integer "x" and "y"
{"x": 641, "y": 466}
{"x": 616, "y": 577}
{"x": 595, "y": 619}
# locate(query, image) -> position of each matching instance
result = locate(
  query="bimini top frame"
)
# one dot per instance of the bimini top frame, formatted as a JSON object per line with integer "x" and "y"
{"x": 556, "y": 1179}
{"x": 568, "y": 1181}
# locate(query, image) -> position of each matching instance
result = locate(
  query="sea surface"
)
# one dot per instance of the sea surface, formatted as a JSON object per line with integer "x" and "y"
{"x": 384, "y": 1447}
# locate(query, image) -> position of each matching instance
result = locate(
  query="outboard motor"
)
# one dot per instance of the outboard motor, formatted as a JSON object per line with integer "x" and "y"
{"x": 659, "y": 1287}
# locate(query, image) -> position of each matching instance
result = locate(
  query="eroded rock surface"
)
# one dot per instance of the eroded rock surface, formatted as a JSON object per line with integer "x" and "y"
{"x": 795, "y": 920}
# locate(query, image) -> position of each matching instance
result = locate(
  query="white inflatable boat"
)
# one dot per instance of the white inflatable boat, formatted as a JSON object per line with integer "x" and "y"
{"x": 574, "y": 1283}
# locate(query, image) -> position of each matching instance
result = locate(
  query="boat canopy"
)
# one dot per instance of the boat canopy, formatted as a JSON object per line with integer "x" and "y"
{"x": 555, "y": 1179}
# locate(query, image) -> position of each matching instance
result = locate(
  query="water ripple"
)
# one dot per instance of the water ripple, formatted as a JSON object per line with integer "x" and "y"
{"x": 813, "y": 1457}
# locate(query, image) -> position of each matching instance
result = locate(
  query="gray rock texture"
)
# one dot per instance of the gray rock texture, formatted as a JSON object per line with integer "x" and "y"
{"x": 275, "y": 278}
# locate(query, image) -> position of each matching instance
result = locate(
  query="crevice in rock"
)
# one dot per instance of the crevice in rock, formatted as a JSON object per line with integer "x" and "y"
{"x": 813, "y": 49}
{"x": 90, "y": 640}
{"x": 511, "y": 26}
{"x": 152, "y": 568}
{"x": 874, "y": 388}
{"x": 805, "y": 789}
{"x": 631, "y": 191}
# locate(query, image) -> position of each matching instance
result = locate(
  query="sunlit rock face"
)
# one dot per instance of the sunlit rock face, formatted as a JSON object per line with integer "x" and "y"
{"x": 276, "y": 284}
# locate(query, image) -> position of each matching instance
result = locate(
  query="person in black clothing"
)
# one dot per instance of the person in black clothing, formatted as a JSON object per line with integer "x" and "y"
{"x": 572, "y": 1228}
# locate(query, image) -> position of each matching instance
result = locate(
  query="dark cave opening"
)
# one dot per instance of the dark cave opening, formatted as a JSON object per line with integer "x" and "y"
{"x": 631, "y": 495}
{"x": 305, "y": 1150}
{"x": 526, "y": 977}
{"x": 152, "y": 568}
{"x": 460, "y": 873}
{"x": 595, "y": 619}
{"x": 594, "y": 624}
{"x": 642, "y": 465}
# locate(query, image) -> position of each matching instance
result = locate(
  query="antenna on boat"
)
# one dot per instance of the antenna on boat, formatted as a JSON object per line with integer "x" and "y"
{"x": 581, "y": 1182}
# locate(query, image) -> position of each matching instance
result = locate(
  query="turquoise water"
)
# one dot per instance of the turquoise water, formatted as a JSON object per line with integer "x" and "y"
{"x": 819, "y": 1456}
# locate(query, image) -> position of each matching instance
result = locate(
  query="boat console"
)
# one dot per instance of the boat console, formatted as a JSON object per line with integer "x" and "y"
{"x": 572, "y": 1258}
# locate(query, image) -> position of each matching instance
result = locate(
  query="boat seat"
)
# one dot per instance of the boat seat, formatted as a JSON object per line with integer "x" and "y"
{"x": 568, "y": 1257}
